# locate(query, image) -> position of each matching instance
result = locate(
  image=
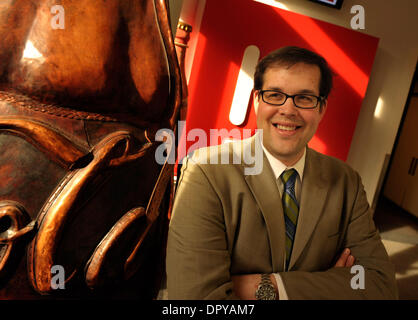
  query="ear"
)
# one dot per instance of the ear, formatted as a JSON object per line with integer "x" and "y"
{"x": 323, "y": 108}
{"x": 256, "y": 100}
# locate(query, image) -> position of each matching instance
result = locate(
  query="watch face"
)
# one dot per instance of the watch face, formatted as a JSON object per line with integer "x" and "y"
{"x": 265, "y": 292}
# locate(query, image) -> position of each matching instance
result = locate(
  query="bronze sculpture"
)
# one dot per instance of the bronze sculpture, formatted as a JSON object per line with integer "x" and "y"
{"x": 79, "y": 109}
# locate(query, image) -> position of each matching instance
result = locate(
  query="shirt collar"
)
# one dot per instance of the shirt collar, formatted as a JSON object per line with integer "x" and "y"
{"x": 278, "y": 166}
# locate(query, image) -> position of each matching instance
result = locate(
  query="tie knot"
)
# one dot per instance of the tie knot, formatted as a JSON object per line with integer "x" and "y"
{"x": 288, "y": 175}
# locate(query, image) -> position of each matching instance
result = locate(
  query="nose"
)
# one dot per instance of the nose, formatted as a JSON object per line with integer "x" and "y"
{"x": 288, "y": 108}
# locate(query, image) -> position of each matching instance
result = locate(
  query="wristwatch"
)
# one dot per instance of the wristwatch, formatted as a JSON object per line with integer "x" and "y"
{"x": 265, "y": 290}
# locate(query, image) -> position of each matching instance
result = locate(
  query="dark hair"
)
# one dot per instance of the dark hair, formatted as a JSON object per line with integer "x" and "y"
{"x": 289, "y": 56}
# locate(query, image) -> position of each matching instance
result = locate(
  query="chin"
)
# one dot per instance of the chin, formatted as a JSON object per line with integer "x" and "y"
{"x": 285, "y": 153}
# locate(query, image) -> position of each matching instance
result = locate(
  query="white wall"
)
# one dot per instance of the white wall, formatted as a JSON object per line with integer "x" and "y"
{"x": 396, "y": 24}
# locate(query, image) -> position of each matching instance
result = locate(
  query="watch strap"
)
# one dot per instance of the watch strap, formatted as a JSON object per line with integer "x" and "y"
{"x": 266, "y": 289}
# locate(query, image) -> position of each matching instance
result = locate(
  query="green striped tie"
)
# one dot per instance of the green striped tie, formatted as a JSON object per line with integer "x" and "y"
{"x": 290, "y": 208}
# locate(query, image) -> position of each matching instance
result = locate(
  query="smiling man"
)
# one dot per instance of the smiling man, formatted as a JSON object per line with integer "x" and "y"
{"x": 295, "y": 230}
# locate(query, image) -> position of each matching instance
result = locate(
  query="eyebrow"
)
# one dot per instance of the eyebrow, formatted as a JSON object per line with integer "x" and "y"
{"x": 307, "y": 91}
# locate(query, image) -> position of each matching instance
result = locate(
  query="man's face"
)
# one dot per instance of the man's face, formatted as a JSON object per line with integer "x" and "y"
{"x": 286, "y": 128}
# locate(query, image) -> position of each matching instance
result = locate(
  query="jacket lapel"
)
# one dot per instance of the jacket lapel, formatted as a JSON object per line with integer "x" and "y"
{"x": 265, "y": 190}
{"x": 313, "y": 196}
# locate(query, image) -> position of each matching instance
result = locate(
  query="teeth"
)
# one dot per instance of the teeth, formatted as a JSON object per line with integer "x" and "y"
{"x": 285, "y": 127}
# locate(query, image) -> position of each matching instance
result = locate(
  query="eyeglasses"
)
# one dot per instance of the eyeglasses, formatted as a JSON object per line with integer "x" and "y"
{"x": 277, "y": 98}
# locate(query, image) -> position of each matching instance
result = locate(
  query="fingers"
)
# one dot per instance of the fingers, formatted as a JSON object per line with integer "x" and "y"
{"x": 350, "y": 261}
{"x": 346, "y": 259}
{"x": 341, "y": 262}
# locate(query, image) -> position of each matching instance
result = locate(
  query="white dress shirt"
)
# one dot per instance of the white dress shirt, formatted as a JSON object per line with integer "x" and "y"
{"x": 278, "y": 168}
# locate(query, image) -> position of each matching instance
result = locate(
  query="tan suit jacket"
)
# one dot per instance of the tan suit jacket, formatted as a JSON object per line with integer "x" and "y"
{"x": 227, "y": 223}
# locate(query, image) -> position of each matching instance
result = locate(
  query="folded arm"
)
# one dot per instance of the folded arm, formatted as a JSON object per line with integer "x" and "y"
{"x": 246, "y": 285}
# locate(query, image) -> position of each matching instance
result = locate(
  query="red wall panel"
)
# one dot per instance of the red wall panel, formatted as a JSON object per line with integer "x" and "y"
{"x": 229, "y": 27}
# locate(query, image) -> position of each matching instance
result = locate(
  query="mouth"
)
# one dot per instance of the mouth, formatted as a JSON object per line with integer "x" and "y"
{"x": 286, "y": 127}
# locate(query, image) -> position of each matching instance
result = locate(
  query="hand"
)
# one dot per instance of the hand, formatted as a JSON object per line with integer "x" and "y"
{"x": 346, "y": 259}
{"x": 246, "y": 285}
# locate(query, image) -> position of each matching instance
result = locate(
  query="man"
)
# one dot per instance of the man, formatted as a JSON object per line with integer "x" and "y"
{"x": 290, "y": 232}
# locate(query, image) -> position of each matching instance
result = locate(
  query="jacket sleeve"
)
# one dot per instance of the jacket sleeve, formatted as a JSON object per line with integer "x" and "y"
{"x": 198, "y": 259}
{"x": 363, "y": 239}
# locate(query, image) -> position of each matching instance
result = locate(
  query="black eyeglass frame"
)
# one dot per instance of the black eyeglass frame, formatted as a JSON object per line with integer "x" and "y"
{"x": 318, "y": 102}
